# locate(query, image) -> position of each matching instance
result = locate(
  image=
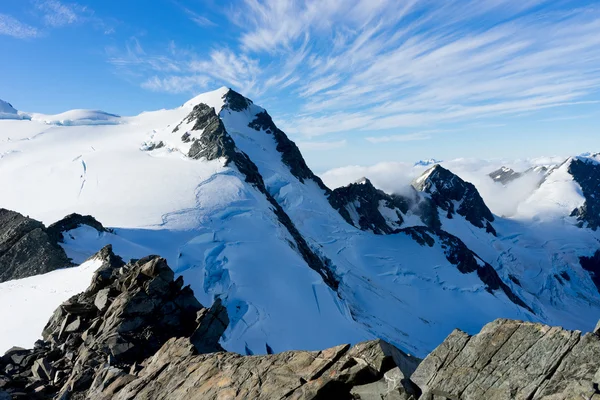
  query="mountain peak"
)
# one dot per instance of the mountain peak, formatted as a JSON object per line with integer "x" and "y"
{"x": 455, "y": 196}
{"x": 213, "y": 98}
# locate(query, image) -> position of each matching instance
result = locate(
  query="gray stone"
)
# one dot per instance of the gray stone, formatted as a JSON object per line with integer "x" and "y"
{"x": 42, "y": 370}
{"x": 101, "y": 300}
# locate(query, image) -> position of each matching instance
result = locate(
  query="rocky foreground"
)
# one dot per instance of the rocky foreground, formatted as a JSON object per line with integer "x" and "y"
{"x": 139, "y": 333}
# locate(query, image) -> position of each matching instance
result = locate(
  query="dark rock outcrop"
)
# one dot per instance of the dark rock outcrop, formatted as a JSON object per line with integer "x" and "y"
{"x": 290, "y": 153}
{"x": 512, "y": 360}
{"x": 27, "y": 248}
{"x": 587, "y": 174}
{"x": 364, "y": 201}
{"x": 455, "y": 196}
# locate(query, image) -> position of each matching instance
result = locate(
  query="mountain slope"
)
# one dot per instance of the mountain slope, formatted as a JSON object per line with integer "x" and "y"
{"x": 218, "y": 190}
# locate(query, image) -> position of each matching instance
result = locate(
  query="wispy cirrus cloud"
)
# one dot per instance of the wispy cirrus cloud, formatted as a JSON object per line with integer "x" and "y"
{"x": 363, "y": 65}
{"x": 11, "y": 26}
{"x": 57, "y": 14}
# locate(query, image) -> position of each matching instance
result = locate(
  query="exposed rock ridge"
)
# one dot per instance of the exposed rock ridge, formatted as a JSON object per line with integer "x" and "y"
{"x": 364, "y": 199}
{"x": 465, "y": 260}
{"x": 125, "y": 316}
{"x": 27, "y": 248}
{"x": 512, "y": 360}
{"x": 215, "y": 142}
{"x": 587, "y": 175}
{"x": 455, "y": 196}
{"x": 290, "y": 153}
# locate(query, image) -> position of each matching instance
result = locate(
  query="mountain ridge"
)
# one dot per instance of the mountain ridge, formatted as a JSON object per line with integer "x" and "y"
{"x": 218, "y": 174}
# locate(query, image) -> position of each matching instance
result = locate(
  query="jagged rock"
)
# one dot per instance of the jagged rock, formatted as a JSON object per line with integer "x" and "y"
{"x": 597, "y": 328}
{"x": 89, "y": 330}
{"x": 448, "y": 191}
{"x": 211, "y": 326}
{"x": 512, "y": 359}
{"x": 26, "y": 248}
{"x": 42, "y": 370}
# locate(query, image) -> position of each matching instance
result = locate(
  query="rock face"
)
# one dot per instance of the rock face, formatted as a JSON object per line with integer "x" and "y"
{"x": 512, "y": 360}
{"x": 370, "y": 209}
{"x": 27, "y": 248}
{"x": 586, "y": 172}
{"x": 177, "y": 372}
{"x": 361, "y": 205}
{"x": 455, "y": 196}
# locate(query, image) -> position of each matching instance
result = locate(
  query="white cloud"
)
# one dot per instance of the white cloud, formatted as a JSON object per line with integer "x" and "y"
{"x": 396, "y": 177}
{"x": 12, "y": 27}
{"x": 200, "y": 20}
{"x": 308, "y": 146}
{"x": 177, "y": 84}
{"x": 57, "y": 14}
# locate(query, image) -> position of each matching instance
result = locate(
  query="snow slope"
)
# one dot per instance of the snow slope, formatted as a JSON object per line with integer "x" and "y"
{"x": 27, "y": 304}
{"x": 228, "y": 239}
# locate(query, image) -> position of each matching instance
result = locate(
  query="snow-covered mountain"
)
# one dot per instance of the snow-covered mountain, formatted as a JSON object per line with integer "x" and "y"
{"x": 216, "y": 188}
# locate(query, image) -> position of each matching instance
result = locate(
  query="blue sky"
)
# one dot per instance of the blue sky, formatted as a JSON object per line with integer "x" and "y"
{"x": 352, "y": 81}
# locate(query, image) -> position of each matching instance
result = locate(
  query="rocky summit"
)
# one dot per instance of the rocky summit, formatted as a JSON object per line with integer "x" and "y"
{"x": 139, "y": 333}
